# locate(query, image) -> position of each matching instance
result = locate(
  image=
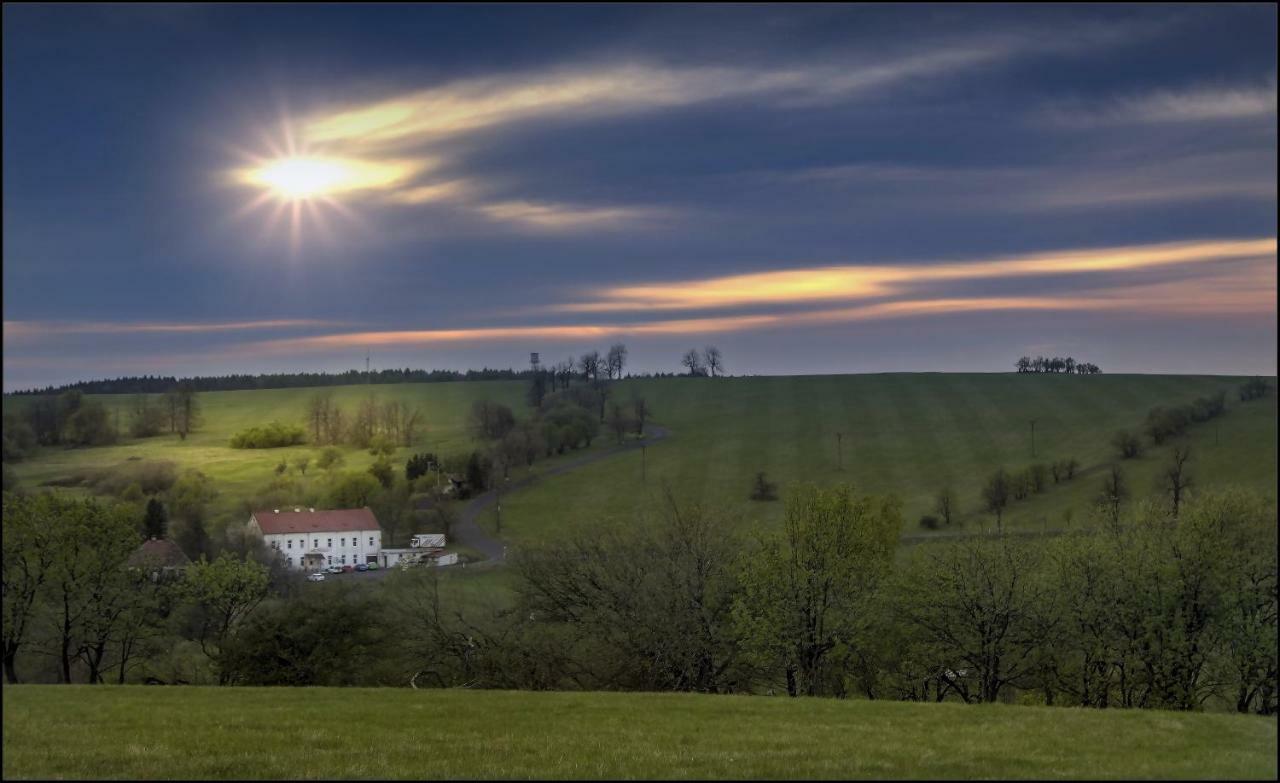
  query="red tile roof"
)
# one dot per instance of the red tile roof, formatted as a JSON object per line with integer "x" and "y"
{"x": 158, "y": 553}
{"x": 338, "y": 520}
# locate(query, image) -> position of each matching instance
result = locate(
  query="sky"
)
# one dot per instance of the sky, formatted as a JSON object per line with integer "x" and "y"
{"x": 813, "y": 189}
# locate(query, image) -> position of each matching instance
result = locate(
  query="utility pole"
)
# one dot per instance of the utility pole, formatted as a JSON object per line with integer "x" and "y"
{"x": 643, "y": 477}
{"x": 367, "y": 378}
{"x": 1033, "y": 437}
{"x": 839, "y": 452}
{"x": 498, "y": 490}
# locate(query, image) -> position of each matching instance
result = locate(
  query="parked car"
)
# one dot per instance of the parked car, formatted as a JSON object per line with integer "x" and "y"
{"x": 373, "y": 566}
{"x": 333, "y": 569}
{"x": 346, "y": 569}
{"x": 316, "y": 577}
{"x": 362, "y": 567}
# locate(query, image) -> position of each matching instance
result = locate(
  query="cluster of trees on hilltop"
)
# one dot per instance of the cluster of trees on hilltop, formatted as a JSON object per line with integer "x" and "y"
{"x": 709, "y": 362}
{"x": 1065, "y": 364}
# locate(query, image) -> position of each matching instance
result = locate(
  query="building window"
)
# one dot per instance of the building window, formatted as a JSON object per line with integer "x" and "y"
{"x": 330, "y": 542}
{"x": 329, "y": 559}
{"x": 370, "y": 540}
{"x": 344, "y": 542}
{"x": 344, "y": 559}
{"x": 315, "y": 542}
{"x": 289, "y": 543}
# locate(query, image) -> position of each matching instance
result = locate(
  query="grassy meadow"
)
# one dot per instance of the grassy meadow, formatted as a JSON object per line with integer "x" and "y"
{"x": 910, "y": 434}
{"x": 288, "y": 733}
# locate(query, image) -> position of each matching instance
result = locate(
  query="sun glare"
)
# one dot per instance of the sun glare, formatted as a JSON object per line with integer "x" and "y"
{"x": 299, "y": 178}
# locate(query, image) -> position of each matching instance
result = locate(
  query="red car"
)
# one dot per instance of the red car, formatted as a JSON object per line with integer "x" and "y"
{"x": 346, "y": 569}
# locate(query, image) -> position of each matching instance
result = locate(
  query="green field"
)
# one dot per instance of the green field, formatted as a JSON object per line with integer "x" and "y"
{"x": 283, "y": 733}
{"x": 910, "y": 434}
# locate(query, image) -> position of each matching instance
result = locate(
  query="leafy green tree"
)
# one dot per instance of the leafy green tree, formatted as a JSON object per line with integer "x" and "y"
{"x": 223, "y": 593}
{"x": 383, "y": 472}
{"x": 28, "y": 563}
{"x": 381, "y": 446}
{"x": 330, "y": 459}
{"x": 995, "y": 495}
{"x": 354, "y": 490}
{"x": 805, "y": 592}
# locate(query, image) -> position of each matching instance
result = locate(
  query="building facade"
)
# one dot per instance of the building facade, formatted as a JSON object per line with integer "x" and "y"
{"x": 310, "y": 540}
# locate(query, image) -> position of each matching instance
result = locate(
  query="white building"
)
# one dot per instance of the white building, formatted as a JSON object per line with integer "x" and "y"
{"x": 310, "y": 539}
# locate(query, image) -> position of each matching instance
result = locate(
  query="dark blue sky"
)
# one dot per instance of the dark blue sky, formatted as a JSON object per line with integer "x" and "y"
{"x": 194, "y": 189}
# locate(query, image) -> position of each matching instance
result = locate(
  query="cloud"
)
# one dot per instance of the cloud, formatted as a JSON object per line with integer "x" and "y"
{"x": 26, "y": 330}
{"x": 817, "y": 284}
{"x": 1190, "y": 105}
{"x": 390, "y": 147}
{"x": 805, "y": 297}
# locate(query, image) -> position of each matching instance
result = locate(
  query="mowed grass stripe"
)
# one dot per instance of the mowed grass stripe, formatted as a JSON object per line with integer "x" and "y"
{"x": 292, "y": 733}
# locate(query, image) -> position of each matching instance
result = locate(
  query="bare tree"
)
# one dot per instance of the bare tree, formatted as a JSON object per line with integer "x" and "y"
{"x": 693, "y": 360}
{"x": 996, "y": 495}
{"x": 641, "y": 413}
{"x": 589, "y": 365}
{"x": 714, "y": 364}
{"x": 1114, "y": 492}
{"x": 615, "y": 361}
{"x": 945, "y": 504}
{"x": 1176, "y": 478}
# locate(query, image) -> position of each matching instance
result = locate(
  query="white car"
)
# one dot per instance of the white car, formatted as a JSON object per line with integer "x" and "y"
{"x": 333, "y": 569}
{"x": 316, "y": 577}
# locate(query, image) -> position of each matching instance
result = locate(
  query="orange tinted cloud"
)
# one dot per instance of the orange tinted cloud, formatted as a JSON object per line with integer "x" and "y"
{"x": 817, "y": 284}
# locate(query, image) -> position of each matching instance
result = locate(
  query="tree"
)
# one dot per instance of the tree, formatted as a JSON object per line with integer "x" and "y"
{"x": 806, "y": 591}
{"x": 381, "y": 446}
{"x": 1175, "y": 478}
{"x": 693, "y": 361}
{"x": 640, "y": 413}
{"x": 980, "y": 611}
{"x": 146, "y": 417}
{"x": 28, "y": 563}
{"x": 1023, "y": 364}
{"x": 616, "y": 359}
{"x": 995, "y": 495}
{"x": 301, "y": 463}
{"x": 186, "y": 409}
{"x": 1114, "y": 492}
{"x": 713, "y": 360}
{"x": 1126, "y": 444}
{"x": 89, "y": 424}
{"x": 763, "y": 489}
{"x": 619, "y": 422}
{"x": 156, "y": 522}
{"x": 225, "y": 592}
{"x": 489, "y": 420}
{"x": 383, "y": 472}
{"x": 945, "y": 504}
{"x": 330, "y": 459}
{"x": 353, "y": 490}
{"x": 589, "y": 365}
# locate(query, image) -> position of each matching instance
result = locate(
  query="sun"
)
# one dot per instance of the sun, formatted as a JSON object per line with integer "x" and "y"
{"x": 301, "y": 177}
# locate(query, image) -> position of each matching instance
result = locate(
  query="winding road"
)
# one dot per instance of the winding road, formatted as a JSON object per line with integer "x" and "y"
{"x": 468, "y": 532}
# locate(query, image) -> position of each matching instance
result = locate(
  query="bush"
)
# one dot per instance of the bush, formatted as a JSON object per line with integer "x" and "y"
{"x": 419, "y": 465}
{"x": 1038, "y": 475}
{"x": 330, "y": 458}
{"x": 383, "y": 472}
{"x": 1126, "y": 444}
{"x": 1253, "y": 389}
{"x": 929, "y": 522}
{"x": 381, "y": 445}
{"x": 763, "y": 489}
{"x": 272, "y": 436}
{"x": 1206, "y": 408}
{"x": 354, "y": 491}
{"x": 151, "y": 476}
{"x": 1165, "y": 423}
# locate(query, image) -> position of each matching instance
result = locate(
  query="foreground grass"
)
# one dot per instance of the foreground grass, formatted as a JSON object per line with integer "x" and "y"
{"x": 149, "y": 733}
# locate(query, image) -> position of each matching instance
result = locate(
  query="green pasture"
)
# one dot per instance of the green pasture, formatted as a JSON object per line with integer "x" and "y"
{"x": 139, "y": 732}
{"x": 910, "y": 434}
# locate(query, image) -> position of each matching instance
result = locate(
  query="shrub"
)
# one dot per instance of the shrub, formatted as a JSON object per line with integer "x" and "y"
{"x": 381, "y": 445}
{"x": 763, "y": 489}
{"x": 929, "y": 522}
{"x": 1069, "y": 466}
{"x": 273, "y": 435}
{"x": 1038, "y": 476}
{"x": 1165, "y": 423}
{"x": 1253, "y": 389}
{"x": 1126, "y": 444}
{"x": 151, "y": 476}
{"x": 330, "y": 458}
{"x": 354, "y": 491}
{"x": 383, "y": 472}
